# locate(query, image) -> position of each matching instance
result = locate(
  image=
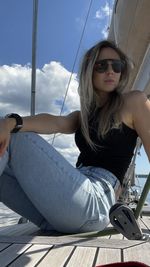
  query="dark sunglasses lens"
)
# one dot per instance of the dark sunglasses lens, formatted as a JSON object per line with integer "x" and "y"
{"x": 101, "y": 66}
{"x": 117, "y": 66}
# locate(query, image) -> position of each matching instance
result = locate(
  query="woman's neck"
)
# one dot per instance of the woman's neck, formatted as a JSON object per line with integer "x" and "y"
{"x": 102, "y": 99}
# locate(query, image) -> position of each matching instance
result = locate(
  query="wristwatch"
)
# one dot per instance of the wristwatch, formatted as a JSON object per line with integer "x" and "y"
{"x": 19, "y": 122}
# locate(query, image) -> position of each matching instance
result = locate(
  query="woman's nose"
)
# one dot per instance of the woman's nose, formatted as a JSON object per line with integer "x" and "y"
{"x": 109, "y": 68}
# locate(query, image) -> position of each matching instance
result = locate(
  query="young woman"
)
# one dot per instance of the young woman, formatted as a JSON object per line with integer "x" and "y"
{"x": 39, "y": 184}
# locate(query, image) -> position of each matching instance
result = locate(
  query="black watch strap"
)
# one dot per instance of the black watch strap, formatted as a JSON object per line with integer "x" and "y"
{"x": 19, "y": 122}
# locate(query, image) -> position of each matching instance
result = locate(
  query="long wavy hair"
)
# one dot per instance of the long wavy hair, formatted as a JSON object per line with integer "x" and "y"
{"x": 109, "y": 113}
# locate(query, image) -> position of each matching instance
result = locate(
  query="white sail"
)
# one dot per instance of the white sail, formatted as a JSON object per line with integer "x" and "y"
{"x": 131, "y": 31}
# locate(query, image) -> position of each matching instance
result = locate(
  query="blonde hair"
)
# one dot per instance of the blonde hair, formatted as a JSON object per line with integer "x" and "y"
{"x": 88, "y": 97}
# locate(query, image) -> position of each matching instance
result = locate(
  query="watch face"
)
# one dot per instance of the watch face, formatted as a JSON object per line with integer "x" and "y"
{"x": 18, "y": 126}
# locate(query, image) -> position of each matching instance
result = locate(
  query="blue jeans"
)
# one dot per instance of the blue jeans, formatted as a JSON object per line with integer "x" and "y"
{"x": 39, "y": 184}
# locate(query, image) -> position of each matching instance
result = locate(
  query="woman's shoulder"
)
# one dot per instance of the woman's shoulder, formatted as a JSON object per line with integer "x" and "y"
{"x": 135, "y": 95}
{"x": 131, "y": 104}
{"x": 133, "y": 99}
{"x": 75, "y": 116}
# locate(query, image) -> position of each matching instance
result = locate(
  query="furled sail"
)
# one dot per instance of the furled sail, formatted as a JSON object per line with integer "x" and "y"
{"x": 130, "y": 30}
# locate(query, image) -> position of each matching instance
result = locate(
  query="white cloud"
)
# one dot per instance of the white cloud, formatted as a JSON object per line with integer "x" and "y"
{"x": 105, "y": 31}
{"x": 52, "y": 81}
{"x": 104, "y": 11}
{"x": 15, "y": 88}
{"x": 65, "y": 144}
{"x": 104, "y": 14}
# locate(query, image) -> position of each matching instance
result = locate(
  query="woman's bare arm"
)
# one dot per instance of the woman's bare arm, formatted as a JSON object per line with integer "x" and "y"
{"x": 141, "y": 118}
{"x": 41, "y": 123}
{"x": 47, "y": 124}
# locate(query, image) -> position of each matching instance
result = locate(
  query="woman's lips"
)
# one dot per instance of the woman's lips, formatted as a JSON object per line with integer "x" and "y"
{"x": 109, "y": 81}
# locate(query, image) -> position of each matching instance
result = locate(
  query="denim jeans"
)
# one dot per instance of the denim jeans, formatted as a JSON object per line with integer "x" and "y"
{"x": 41, "y": 185}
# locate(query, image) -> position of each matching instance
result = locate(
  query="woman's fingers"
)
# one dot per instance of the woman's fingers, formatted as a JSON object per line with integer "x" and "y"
{"x": 3, "y": 146}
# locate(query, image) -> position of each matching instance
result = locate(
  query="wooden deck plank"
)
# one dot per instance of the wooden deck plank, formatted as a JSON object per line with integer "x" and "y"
{"x": 108, "y": 255}
{"x": 31, "y": 256}
{"x": 19, "y": 229}
{"x": 117, "y": 236}
{"x": 82, "y": 256}
{"x": 57, "y": 256}
{"x": 4, "y": 245}
{"x": 143, "y": 222}
{"x": 7, "y": 216}
{"x": 19, "y": 246}
{"x": 71, "y": 241}
{"x": 146, "y": 210}
{"x": 138, "y": 253}
{"x": 11, "y": 253}
{"x": 146, "y": 222}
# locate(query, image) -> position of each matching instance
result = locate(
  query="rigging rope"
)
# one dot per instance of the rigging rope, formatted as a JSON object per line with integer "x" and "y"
{"x": 74, "y": 63}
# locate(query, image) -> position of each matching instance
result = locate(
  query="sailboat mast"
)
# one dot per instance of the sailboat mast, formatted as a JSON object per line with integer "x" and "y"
{"x": 34, "y": 46}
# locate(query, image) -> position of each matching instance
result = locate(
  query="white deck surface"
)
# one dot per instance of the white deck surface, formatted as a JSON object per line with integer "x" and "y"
{"x": 20, "y": 248}
{"x": 7, "y": 216}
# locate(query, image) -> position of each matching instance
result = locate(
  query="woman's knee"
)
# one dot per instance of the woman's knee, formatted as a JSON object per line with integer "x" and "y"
{"x": 22, "y": 140}
{"x": 22, "y": 136}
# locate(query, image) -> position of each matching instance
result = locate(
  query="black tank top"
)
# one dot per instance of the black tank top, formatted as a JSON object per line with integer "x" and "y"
{"x": 114, "y": 152}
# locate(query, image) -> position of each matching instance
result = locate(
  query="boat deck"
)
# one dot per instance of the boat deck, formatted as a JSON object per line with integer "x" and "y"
{"x": 23, "y": 245}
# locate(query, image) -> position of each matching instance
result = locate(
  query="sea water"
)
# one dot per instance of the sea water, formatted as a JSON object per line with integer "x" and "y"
{"x": 139, "y": 184}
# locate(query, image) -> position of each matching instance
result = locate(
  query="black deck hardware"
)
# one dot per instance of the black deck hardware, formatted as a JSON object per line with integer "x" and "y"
{"x": 123, "y": 219}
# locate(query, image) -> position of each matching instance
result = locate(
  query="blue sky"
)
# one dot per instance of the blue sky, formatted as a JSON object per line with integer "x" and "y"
{"x": 60, "y": 26}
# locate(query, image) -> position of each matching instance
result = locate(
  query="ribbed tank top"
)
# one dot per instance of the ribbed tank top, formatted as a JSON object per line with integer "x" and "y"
{"x": 114, "y": 152}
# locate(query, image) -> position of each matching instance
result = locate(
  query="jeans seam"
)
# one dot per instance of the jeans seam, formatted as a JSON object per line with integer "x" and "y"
{"x": 57, "y": 163}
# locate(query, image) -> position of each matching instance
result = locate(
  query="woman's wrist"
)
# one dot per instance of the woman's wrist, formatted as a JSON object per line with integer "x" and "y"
{"x": 10, "y": 123}
{"x": 14, "y": 122}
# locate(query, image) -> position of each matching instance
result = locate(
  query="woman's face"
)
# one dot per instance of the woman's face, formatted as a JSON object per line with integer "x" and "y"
{"x": 106, "y": 73}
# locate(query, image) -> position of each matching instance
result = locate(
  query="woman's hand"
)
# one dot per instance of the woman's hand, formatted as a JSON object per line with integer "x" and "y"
{"x": 4, "y": 136}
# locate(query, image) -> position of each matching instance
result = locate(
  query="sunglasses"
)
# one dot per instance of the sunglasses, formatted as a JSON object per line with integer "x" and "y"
{"x": 102, "y": 65}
